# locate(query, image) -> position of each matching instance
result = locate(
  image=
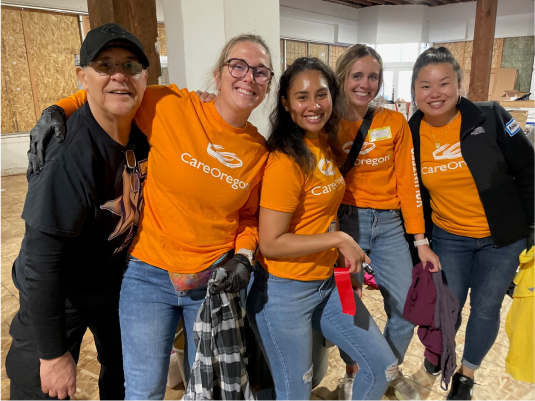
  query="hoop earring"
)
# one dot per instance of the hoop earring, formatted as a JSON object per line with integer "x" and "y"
{"x": 459, "y": 101}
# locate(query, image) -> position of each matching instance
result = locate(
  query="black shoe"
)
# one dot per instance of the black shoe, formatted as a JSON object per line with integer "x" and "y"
{"x": 461, "y": 387}
{"x": 430, "y": 368}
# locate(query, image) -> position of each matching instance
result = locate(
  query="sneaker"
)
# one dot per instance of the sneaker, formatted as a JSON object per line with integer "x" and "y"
{"x": 430, "y": 368}
{"x": 403, "y": 388}
{"x": 346, "y": 387}
{"x": 462, "y": 387}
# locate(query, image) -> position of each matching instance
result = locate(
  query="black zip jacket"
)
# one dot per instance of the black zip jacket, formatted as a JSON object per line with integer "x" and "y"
{"x": 501, "y": 164}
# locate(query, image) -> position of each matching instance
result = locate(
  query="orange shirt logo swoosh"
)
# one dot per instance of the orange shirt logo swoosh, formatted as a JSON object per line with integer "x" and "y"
{"x": 226, "y": 158}
{"x": 453, "y": 152}
{"x": 326, "y": 167}
{"x": 367, "y": 147}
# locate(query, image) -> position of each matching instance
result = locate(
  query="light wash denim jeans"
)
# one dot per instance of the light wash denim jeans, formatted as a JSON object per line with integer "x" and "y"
{"x": 381, "y": 235}
{"x": 283, "y": 312}
{"x": 149, "y": 310}
{"x": 474, "y": 263}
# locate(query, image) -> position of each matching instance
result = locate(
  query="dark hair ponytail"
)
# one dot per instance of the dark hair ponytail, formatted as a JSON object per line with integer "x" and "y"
{"x": 286, "y": 136}
{"x": 434, "y": 55}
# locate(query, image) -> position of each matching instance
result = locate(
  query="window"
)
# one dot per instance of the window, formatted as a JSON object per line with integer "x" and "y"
{"x": 388, "y": 85}
{"x": 291, "y": 50}
{"x": 336, "y": 52}
{"x": 318, "y": 50}
{"x": 294, "y": 50}
{"x": 404, "y": 85}
{"x": 398, "y": 52}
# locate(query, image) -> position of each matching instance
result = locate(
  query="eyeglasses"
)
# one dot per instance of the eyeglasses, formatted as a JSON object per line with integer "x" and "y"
{"x": 135, "y": 181}
{"x": 108, "y": 68}
{"x": 239, "y": 69}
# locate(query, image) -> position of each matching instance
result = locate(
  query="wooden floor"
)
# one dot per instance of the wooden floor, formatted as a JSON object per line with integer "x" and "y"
{"x": 493, "y": 383}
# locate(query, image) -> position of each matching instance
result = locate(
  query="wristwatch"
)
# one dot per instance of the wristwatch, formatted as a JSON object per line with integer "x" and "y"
{"x": 248, "y": 254}
{"x": 424, "y": 241}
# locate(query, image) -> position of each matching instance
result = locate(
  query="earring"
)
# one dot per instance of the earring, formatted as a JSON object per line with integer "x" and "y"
{"x": 459, "y": 101}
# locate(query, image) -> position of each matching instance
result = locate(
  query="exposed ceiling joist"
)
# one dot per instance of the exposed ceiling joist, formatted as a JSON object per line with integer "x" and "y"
{"x": 371, "y": 3}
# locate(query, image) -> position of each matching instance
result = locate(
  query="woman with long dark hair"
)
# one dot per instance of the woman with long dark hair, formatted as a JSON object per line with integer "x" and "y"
{"x": 476, "y": 169}
{"x": 294, "y": 289}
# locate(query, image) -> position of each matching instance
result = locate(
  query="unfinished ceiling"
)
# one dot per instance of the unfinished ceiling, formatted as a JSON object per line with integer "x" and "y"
{"x": 369, "y": 3}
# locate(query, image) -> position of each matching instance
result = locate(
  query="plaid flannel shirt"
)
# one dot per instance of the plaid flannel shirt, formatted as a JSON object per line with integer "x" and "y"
{"x": 219, "y": 370}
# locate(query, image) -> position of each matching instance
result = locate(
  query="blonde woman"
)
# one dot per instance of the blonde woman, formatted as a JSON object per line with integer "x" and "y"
{"x": 381, "y": 201}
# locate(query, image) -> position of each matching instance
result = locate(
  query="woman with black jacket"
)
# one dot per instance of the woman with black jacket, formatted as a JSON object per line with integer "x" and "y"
{"x": 475, "y": 168}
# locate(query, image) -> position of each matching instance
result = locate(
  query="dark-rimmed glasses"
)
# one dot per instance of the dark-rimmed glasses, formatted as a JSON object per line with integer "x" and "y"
{"x": 135, "y": 181}
{"x": 108, "y": 68}
{"x": 238, "y": 68}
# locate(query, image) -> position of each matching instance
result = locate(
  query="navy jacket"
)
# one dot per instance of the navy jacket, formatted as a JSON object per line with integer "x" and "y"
{"x": 500, "y": 158}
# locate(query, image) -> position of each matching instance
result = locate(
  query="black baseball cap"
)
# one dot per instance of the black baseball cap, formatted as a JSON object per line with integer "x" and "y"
{"x": 110, "y": 35}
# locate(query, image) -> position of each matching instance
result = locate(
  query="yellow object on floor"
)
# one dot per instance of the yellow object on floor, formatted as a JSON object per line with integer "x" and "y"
{"x": 519, "y": 324}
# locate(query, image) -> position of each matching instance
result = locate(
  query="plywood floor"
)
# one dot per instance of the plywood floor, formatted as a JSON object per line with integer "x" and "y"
{"x": 493, "y": 382}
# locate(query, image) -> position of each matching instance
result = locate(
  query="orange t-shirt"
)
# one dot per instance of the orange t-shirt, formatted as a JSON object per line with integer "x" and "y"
{"x": 202, "y": 186}
{"x": 313, "y": 201}
{"x": 384, "y": 175}
{"x": 455, "y": 200}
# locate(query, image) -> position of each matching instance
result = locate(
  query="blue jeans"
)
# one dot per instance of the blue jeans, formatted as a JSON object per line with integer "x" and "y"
{"x": 474, "y": 263}
{"x": 149, "y": 310}
{"x": 283, "y": 312}
{"x": 381, "y": 235}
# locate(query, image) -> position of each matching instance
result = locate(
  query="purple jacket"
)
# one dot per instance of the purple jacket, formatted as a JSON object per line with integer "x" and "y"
{"x": 432, "y": 307}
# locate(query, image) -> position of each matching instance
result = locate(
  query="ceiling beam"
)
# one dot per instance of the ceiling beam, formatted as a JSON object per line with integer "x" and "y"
{"x": 344, "y": 3}
{"x": 425, "y": 2}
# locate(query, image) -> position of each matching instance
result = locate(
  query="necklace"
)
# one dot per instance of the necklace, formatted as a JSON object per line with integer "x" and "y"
{"x": 437, "y": 144}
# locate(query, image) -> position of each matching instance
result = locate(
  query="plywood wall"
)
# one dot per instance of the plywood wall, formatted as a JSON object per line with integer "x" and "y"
{"x": 462, "y": 51}
{"x": 52, "y": 40}
{"x": 18, "y": 112}
{"x": 162, "y": 43}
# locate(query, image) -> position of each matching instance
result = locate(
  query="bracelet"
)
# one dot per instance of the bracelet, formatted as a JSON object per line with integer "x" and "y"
{"x": 424, "y": 241}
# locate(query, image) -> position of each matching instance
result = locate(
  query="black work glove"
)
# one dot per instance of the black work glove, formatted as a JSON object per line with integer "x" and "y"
{"x": 238, "y": 275}
{"x": 51, "y": 122}
{"x": 530, "y": 237}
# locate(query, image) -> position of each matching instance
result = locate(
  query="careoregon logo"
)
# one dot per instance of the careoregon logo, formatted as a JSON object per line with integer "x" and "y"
{"x": 326, "y": 167}
{"x": 367, "y": 147}
{"x": 227, "y": 158}
{"x": 453, "y": 152}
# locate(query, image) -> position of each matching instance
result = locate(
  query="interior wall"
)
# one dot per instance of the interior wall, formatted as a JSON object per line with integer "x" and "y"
{"x": 18, "y": 111}
{"x": 319, "y": 21}
{"x": 401, "y": 24}
{"x": 455, "y": 22}
{"x": 79, "y": 6}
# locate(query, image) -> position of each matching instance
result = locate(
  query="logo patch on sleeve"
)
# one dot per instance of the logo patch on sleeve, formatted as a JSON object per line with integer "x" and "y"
{"x": 512, "y": 127}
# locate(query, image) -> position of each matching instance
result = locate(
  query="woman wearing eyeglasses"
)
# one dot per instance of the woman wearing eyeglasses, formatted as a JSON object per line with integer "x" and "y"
{"x": 201, "y": 200}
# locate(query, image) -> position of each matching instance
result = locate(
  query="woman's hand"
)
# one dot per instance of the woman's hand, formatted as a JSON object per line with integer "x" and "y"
{"x": 357, "y": 287}
{"x": 427, "y": 255}
{"x": 353, "y": 254}
{"x": 206, "y": 97}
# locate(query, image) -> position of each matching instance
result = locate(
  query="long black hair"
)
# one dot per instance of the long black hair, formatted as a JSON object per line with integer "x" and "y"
{"x": 286, "y": 136}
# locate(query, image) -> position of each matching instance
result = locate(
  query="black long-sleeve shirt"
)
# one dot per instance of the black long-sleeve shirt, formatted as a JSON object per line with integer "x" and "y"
{"x": 81, "y": 213}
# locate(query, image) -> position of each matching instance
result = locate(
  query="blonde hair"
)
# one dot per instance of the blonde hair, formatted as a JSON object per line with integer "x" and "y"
{"x": 223, "y": 56}
{"x": 352, "y": 54}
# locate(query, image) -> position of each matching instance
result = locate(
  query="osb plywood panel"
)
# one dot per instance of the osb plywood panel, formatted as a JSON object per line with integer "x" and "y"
{"x": 52, "y": 40}
{"x": 294, "y": 50}
{"x": 497, "y": 49}
{"x": 457, "y": 49}
{"x": 336, "y": 51}
{"x": 318, "y": 50}
{"x": 18, "y": 112}
{"x": 462, "y": 51}
{"x": 162, "y": 43}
